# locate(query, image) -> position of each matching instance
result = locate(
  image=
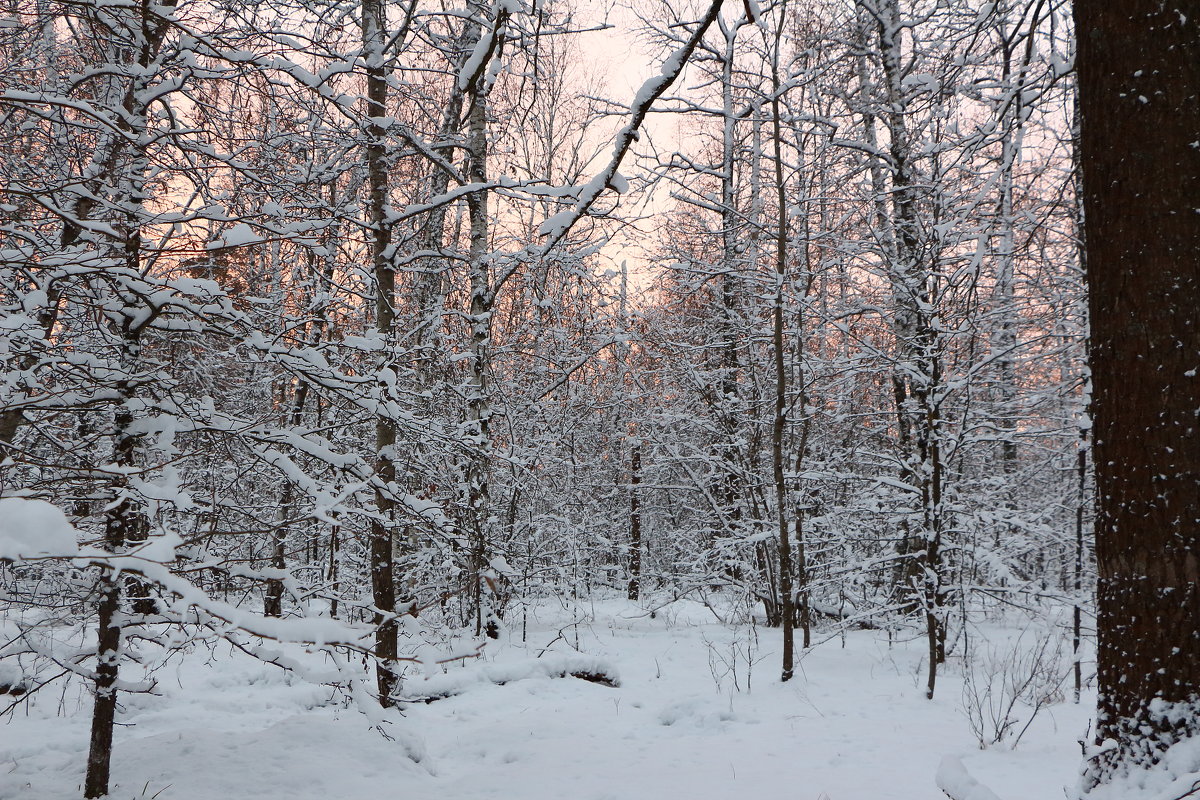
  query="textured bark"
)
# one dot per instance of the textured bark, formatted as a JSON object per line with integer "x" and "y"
{"x": 124, "y": 524}
{"x": 786, "y": 600}
{"x": 273, "y": 597}
{"x": 105, "y": 709}
{"x": 483, "y": 300}
{"x": 479, "y": 410}
{"x": 383, "y": 580}
{"x": 916, "y": 380}
{"x": 1139, "y": 82}
{"x": 125, "y": 521}
{"x": 635, "y": 522}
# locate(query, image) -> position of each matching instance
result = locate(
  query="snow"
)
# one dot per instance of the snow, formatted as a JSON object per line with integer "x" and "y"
{"x": 957, "y": 783}
{"x": 1177, "y": 774}
{"x": 556, "y": 222}
{"x": 474, "y": 61}
{"x": 34, "y": 529}
{"x": 10, "y": 677}
{"x": 239, "y": 235}
{"x": 459, "y": 681}
{"x": 699, "y": 712}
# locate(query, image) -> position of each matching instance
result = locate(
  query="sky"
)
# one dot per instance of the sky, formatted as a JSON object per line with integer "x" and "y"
{"x": 626, "y": 61}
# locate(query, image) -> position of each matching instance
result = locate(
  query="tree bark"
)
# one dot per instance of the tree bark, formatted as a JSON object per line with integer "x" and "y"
{"x": 635, "y": 522}
{"x": 786, "y": 600}
{"x": 1139, "y": 86}
{"x": 478, "y": 394}
{"x": 383, "y": 580}
{"x": 125, "y": 522}
{"x": 105, "y": 708}
{"x": 273, "y": 597}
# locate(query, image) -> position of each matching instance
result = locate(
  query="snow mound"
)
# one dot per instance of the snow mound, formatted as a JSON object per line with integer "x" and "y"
{"x": 12, "y": 681}
{"x": 958, "y": 784}
{"x": 436, "y": 687}
{"x": 702, "y": 713}
{"x": 1176, "y": 775}
{"x": 34, "y": 529}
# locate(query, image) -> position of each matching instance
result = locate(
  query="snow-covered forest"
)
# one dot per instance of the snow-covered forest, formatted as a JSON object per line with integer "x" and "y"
{"x": 392, "y": 400}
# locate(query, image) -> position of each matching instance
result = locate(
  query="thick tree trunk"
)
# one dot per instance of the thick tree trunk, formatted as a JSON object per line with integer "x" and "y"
{"x": 383, "y": 580}
{"x": 1139, "y": 85}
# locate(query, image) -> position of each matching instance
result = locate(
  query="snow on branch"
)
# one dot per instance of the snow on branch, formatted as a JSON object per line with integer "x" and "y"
{"x": 489, "y": 40}
{"x": 34, "y": 530}
{"x": 557, "y": 226}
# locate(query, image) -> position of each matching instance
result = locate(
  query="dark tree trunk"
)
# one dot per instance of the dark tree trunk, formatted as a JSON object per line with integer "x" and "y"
{"x": 1077, "y": 611}
{"x": 125, "y": 522}
{"x": 383, "y": 581}
{"x": 1139, "y": 84}
{"x": 105, "y": 709}
{"x": 334, "y": 581}
{"x": 635, "y": 522}
{"x": 273, "y": 598}
{"x": 787, "y": 613}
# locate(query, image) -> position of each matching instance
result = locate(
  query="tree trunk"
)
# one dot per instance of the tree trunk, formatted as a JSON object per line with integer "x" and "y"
{"x": 273, "y": 598}
{"x": 125, "y": 523}
{"x": 1139, "y": 87}
{"x": 105, "y": 708}
{"x": 730, "y": 413}
{"x": 786, "y": 600}
{"x": 383, "y": 580}
{"x": 917, "y": 376}
{"x": 479, "y": 409}
{"x": 635, "y": 522}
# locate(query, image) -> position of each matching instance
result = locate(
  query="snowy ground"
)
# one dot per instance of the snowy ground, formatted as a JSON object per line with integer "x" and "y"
{"x": 699, "y": 714}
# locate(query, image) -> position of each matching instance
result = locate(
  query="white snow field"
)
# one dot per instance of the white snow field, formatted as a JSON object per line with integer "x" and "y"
{"x": 699, "y": 714}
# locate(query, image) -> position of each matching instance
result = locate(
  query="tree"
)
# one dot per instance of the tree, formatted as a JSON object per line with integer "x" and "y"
{"x": 1139, "y": 87}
